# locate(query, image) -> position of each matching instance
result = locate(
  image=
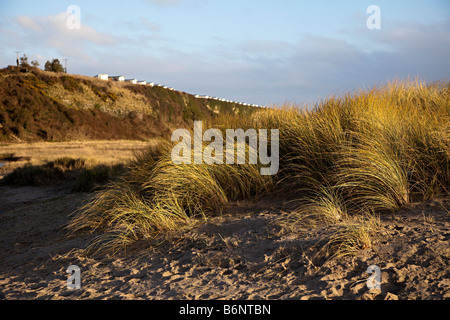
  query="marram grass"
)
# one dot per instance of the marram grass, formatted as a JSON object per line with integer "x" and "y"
{"x": 163, "y": 198}
{"x": 369, "y": 151}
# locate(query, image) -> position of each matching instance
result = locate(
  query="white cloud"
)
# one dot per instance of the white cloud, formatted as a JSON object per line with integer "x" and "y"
{"x": 52, "y": 31}
{"x": 318, "y": 66}
{"x": 28, "y": 23}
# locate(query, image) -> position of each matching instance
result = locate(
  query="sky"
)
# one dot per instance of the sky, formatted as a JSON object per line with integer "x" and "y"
{"x": 263, "y": 52}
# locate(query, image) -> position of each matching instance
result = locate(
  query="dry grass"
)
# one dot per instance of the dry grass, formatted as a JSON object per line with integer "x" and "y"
{"x": 346, "y": 158}
{"x": 99, "y": 152}
{"x": 86, "y": 163}
{"x": 117, "y": 100}
{"x": 347, "y": 240}
{"x": 85, "y": 174}
{"x": 113, "y": 151}
{"x": 159, "y": 197}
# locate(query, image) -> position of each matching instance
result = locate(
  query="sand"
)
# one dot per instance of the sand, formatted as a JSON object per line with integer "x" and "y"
{"x": 243, "y": 254}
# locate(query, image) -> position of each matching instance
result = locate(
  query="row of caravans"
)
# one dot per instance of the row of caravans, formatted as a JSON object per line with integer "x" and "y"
{"x": 152, "y": 84}
{"x": 133, "y": 81}
{"x": 230, "y": 101}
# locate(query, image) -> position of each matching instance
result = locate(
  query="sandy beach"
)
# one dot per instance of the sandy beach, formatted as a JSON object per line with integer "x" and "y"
{"x": 245, "y": 253}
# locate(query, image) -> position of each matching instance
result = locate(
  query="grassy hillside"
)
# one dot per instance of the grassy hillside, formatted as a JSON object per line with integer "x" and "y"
{"x": 44, "y": 106}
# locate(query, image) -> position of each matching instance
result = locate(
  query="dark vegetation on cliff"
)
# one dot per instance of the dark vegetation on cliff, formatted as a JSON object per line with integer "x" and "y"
{"x": 36, "y": 105}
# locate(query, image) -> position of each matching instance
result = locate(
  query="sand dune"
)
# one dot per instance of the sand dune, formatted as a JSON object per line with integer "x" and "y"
{"x": 243, "y": 254}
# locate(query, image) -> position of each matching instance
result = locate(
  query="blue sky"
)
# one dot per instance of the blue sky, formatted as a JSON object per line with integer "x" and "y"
{"x": 264, "y": 52}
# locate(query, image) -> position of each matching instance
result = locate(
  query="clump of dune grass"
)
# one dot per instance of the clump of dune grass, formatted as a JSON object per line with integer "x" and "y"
{"x": 370, "y": 174}
{"x": 158, "y": 197}
{"x": 376, "y": 146}
{"x": 347, "y": 240}
{"x": 327, "y": 207}
{"x": 372, "y": 151}
{"x": 344, "y": 158}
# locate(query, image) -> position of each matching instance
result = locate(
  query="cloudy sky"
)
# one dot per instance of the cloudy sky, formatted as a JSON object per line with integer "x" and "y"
{"x": 257, "y": 51}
